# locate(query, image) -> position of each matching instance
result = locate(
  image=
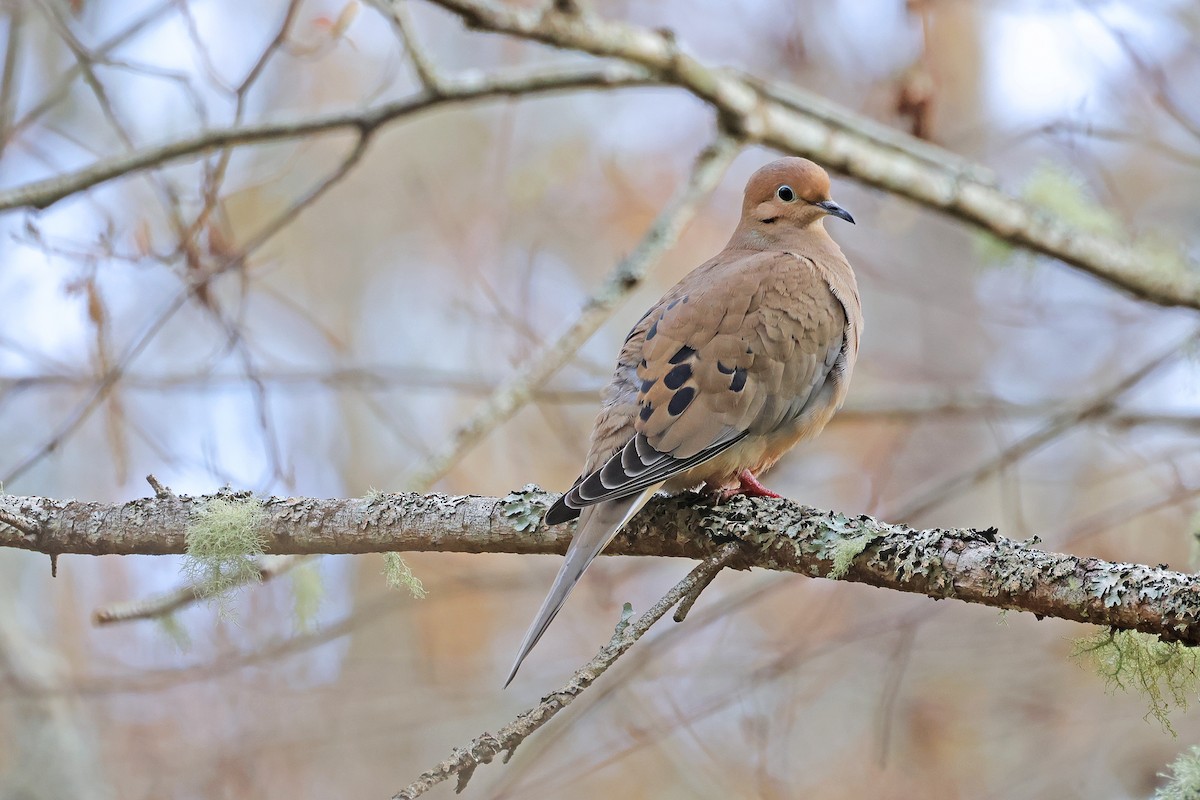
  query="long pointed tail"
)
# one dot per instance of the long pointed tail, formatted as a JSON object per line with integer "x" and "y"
{"x": 598, "y": 524}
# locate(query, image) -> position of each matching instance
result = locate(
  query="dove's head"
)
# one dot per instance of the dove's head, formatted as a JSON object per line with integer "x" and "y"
{"x": 788, "y": 193}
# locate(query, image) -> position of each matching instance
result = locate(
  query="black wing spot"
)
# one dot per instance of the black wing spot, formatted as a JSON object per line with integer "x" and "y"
{"x": 682, "y": 354}
{"x": 646, "y": 384}
{"x": 724, "y": 370}
{"x": 739, "y": 380}
{"x": 650, "y": 334}
{"x": 680, "y": 401}
{"x": 677, "y": 376}
{"x": 646, "y": 411}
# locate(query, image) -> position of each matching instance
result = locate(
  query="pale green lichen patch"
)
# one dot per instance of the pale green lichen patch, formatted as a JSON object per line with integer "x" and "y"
{"x": 846, "y": 550}
{"x": 224, "y": 544}
{"x": 524, "y": 508}
{"x": 398, "y": 575}
{"x": 1183, "y": 777}
{"x": 1062, "y": 192}
{"x": 626, "y": 618}
{"x": 1167, "y": 673}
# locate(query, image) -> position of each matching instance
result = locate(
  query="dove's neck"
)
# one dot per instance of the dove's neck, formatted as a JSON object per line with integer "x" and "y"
{"x": 778, "y": 236}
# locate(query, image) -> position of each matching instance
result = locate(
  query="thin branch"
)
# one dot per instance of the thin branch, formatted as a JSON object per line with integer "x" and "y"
{"x": 397, "y": 15}
{"x": 800, "y": 122}
{"x": 8, "y": 80}
{"x": 160, "y": 605}
{"x": 113, "y": 375}
{"x": 66, "y": 82}
{"x": 18, "y": 522}
{"x": 1057, "y": 427}
{"x": 485, "y": 747}
{"x": 628, "y": 275}
{"x": 965, "y": 564}
{"x": 44, "y": 193}
{"x": 886, "y": 407}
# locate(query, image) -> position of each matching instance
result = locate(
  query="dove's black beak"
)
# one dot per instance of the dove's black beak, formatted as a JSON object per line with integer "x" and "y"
{"x": 833, "y": 209}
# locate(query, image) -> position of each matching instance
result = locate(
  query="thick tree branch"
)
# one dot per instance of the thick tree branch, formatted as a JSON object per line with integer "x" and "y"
{"x": 973, "y": 566}
{"x": 799, "y": 122}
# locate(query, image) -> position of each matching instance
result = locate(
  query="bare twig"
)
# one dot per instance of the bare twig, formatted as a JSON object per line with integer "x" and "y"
{"x": 484, "y": 748}
{"x": 8, "y": 81}
{"x": 473, "y": 87}
{"x": 266, "y": 568}
{"x": 160, "y": 491}
{"x": 1100, "y": 404}
{"x": 15, "y": 520}
{"x": 113, "y": 375}
{"x": 397, "y": 15}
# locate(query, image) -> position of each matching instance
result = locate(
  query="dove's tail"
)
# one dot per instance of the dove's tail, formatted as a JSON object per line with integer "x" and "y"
{"x": 598, "y": 524}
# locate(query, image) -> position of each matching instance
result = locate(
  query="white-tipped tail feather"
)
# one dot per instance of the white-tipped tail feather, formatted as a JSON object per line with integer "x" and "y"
{"x": 598, "y": 524}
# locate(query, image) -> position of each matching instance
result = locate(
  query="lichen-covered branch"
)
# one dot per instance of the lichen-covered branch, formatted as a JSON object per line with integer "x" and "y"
{"x": 973, "y": 566}
{"x": 800, "y": 122}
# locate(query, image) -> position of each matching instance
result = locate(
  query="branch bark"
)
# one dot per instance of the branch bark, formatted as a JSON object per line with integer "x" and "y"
{"x": 974, "y": 566}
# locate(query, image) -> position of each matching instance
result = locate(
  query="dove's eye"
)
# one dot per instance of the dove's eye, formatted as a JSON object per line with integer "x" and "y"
{"x": 785, "y": 193}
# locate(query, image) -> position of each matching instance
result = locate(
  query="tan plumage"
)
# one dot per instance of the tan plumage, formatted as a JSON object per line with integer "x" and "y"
{"x": 745, "y": 357}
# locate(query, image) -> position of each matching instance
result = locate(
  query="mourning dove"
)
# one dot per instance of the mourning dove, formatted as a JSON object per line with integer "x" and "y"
{"x": 745, "y": 357}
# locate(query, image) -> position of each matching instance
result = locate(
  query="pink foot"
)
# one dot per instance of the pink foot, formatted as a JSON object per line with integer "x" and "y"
{"x": 752, "y": 488}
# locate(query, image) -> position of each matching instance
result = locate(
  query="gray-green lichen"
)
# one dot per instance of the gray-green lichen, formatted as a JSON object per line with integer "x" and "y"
{"x": 1183, "y": 777}
{"x": 224, "y": 543}
{"x": 398, "y": 575}
{"x": 524, "y": 508}
{"x": 1166, "y": 673}
{"x": 626, "y": 617}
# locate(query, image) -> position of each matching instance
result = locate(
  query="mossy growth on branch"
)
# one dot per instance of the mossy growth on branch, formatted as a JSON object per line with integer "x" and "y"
{"x": 223, "y": 547}
{"x": 1064, "y": 193}
{"x": 1183, "y": 777}
{"x": 398, "y": 575}
{"x": 1165, "y": 672}
{"x": 846, "y": 550}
